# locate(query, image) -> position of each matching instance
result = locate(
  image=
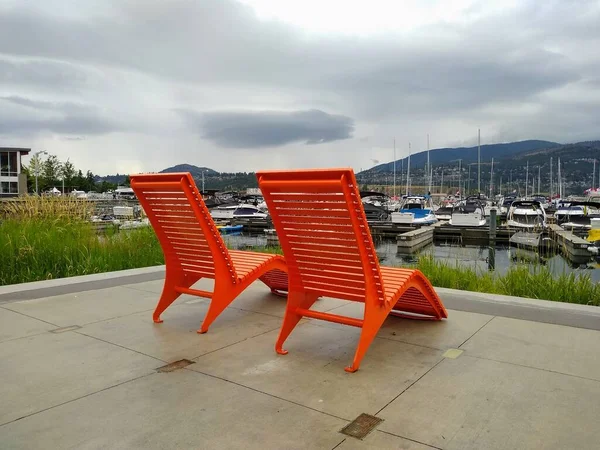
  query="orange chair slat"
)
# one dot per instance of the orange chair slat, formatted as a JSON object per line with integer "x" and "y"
{"x": 310, "y": 204}
{"x": 280, "y": 198}
{"x": 321, "y": 234}
{"x": 324, "y": 258}
{"x": 344, "y": 268}
{"x": 307, "y": 237}
{"x": 322, "y": 214}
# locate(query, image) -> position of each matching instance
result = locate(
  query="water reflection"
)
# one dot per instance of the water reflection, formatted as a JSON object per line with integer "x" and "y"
{"x": 475, "y": 257}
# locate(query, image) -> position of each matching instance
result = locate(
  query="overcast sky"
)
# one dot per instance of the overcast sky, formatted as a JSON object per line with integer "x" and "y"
{"x": 127, "y": 86}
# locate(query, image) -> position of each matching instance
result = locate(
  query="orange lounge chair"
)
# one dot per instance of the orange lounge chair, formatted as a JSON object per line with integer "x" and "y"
{"x": 193, "y": 248}
{"x": 320, "y": 221}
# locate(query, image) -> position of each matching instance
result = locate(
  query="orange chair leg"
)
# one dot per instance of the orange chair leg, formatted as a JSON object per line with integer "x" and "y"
{"x": 291, "y": 319}
{"x": 169, "y": 295}
{"x": 370, "y": 329}
{"x": 220, "y": 300}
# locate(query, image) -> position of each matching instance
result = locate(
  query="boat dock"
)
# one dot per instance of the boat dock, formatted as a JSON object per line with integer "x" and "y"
{"x": 573, "y": 247}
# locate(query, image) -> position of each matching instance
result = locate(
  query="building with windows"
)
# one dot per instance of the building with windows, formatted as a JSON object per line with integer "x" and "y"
{"x": 12, "y": 181}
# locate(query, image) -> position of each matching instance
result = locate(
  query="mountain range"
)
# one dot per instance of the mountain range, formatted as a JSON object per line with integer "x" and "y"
{"x": 510, "y": 162}
{"x": 443, "y": 156}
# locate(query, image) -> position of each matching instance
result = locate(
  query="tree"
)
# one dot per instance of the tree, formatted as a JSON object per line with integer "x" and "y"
{"x": 89, "y": 181}
{"x": 67, "y": 173}
{"x": 51, "y": 170}
{"x": 79, "y": 181}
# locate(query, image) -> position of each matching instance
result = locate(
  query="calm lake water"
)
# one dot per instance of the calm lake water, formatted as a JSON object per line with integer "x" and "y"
{"x": 466, "y": 256}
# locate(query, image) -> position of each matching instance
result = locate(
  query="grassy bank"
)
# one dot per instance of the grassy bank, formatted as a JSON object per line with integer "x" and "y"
{"x": 45, "y": 249}
{"x": 46, "y": 238}
{"x": 521, "y": 281}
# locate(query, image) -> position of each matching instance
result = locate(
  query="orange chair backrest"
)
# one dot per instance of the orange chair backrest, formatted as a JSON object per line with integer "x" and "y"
{"x": 183, "y": 224}
{"x": 323, "y": 231}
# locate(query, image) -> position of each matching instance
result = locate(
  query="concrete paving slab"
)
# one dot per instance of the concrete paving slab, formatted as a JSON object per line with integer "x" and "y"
{"x": 313, "y": 375}
{"x": 45, "y": 370}
{"x": 176, "y": 337}
{"x": 86, "y": 307}
{"x": 257, "y": 298}
{"x": 471, "y": 403}
{"x": 155, "y": 286}
{"x": 568, "y": 350}
{"x": 177, "y": 410}
{"x": 377, "y": 440}
{"x": 448, "y": 333}
{"x": 14, "y": 325}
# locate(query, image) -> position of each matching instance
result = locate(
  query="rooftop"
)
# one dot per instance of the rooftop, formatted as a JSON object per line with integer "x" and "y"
{"x": 80, "y": 358}
{"x": 23, "y": 151}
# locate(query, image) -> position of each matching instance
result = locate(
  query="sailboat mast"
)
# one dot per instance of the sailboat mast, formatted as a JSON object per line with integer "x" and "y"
{"x": 394, "y": 167}
{"x": 594, "y": 176}
{"x": 527, "y": 179}
{"x": 491, "y": 178}
{"x": 459, "y": 176}
{"x": 539, "y": 179}
{"x": 428, "y": 166}
{"x": 559, "y": 181}
{"x": 408, "y": 170}
{"x": 551, "y": 185}
{"x": 478, "y": 161}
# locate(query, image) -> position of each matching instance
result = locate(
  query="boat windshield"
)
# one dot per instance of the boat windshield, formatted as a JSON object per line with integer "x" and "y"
{"x": 528, "y": 219}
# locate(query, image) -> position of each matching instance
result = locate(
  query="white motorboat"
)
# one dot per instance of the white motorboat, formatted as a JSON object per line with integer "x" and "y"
{"x": 526, "y": 215}
{"x": 241, "y": 211}
{"x": 415, "y": 210}
{"x": 577, "y": 215}
{"x": 469, "y": 213}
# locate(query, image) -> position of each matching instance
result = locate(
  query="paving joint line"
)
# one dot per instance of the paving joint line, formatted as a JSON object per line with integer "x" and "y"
{"x": 234, "y": 343}
{"x": 120, "y": 346}
{"x": 25, "y": 337}
{"x": 410, "y": 385}
{"x": 266, "y": 393}
{"x": 116, "y": 317}
{"x": 31, "y": 317}
{"x": 480, "y": 328}
{"x": 139, "y": 290}
{"x": 533, "y": 368}
{"x": 76, "y": 399}
{"x": 343, "y": 440}
{"x": 409, "y": 439}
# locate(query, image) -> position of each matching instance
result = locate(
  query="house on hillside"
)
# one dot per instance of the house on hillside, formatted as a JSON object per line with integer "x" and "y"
{"x": 12, "y": 181}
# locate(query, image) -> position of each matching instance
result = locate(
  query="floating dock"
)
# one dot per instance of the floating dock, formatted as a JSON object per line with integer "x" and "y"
{"x": 572, "y": 247}
{"x": 412, "y": 241}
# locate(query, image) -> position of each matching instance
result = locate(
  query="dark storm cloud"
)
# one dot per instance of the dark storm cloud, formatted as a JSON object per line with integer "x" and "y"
{"x": 20, "y": 115}
{"x": 271, "y": 128}
{"x": 54, "y": 75}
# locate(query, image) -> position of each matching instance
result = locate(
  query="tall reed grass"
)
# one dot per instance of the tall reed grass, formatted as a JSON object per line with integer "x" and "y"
{"x": 532, "y": 281}
{"x": 43, "y": 238}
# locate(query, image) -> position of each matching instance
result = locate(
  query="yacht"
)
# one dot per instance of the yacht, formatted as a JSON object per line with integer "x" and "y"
{"x": 240, "y": 211}
{"x": 415, "y": 210}
{"x": 526, "y": 215}
{"x": 577, "y": 215}
{"x": 469, "y": 213}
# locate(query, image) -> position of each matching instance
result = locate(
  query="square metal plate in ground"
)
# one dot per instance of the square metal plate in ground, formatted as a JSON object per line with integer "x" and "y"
{"x": 361, "y": 426}
{"x": 175, "y": 365}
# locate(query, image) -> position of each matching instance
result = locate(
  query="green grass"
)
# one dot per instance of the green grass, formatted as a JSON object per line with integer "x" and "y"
{"x": 536, "y": 281}
{"x": 44, "y": 248}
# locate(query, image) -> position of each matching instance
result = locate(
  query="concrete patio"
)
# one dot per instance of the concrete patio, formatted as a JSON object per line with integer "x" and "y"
{"x": 79, "y": 360}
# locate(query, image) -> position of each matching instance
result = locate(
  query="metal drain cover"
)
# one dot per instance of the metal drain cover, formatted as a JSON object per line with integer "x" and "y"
{"x": 361, "y": 426}
{"x": 175, "y": 365}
